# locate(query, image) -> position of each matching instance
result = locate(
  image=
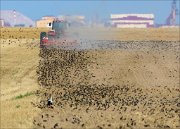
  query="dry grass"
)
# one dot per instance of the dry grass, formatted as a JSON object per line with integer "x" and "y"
{"x": 170, "y": 34}
{"x": 21, "y": 33}
{"x": 18, "y": 77}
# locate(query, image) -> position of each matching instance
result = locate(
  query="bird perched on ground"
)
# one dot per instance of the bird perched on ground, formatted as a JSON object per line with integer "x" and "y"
{"x": 50, "y": 101}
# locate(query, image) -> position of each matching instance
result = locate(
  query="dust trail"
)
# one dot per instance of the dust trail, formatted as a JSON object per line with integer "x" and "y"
{"x": 83, "y": 38}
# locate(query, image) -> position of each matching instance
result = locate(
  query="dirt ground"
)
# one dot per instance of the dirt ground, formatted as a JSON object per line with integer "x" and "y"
{"x": 153, "y": 74}
{"x": 135, "y": 85}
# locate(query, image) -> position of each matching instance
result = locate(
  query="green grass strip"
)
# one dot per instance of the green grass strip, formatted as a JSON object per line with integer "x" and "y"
{"x": 22, "y": 96}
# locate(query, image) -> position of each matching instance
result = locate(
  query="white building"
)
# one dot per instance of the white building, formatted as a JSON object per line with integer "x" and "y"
{"x": 46, "y": 21}
{"x": 132, "y": 20}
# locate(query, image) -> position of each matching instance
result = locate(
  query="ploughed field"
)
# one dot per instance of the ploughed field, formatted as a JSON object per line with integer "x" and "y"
{"x": 112, "y": 78}
{"x": 110, "y": 84}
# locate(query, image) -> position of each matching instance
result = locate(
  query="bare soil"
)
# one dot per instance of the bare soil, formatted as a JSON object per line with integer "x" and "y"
{"x": 132, "y": 85}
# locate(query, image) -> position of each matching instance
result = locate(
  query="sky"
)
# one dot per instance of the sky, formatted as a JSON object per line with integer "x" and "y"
{"x": 101, "y": 9}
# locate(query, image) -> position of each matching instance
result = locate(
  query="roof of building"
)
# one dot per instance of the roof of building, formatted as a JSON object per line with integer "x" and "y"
{"x": 132, "y": 15}
{"x": 132, "y": 18}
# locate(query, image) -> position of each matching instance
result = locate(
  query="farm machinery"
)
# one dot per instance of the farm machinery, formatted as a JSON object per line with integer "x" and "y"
{"x": 57, "y": 36}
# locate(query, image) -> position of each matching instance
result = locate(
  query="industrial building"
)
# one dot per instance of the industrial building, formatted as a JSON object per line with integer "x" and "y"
{"x": 132, "y": 20}
{"x": 46, "y": 21}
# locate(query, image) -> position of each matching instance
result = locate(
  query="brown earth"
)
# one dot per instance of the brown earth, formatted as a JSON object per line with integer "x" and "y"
{"x": 125, "y": 87}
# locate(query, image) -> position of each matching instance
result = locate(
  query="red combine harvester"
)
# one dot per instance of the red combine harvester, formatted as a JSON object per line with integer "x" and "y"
{"x": 56, "y": 36}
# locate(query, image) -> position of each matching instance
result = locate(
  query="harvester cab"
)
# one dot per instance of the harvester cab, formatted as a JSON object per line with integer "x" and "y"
{"x": 57, "y": 32}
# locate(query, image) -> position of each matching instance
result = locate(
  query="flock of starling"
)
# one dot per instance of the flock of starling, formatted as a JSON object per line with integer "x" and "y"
{"x": 64, "y": 78}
